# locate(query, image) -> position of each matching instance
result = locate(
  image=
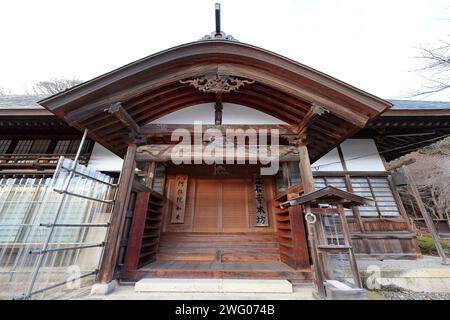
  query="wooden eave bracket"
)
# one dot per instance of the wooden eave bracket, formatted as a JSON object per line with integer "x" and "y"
{"x": 311, "y": 116}
{"x": 123, "y": 116}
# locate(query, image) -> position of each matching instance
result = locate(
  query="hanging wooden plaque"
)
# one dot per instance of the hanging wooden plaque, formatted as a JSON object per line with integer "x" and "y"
{"x": 179, "y": 202}
{"x": 261, "y": 216}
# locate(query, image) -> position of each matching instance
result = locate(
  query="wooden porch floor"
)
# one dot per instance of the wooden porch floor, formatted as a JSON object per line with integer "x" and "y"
{"x": 226, "y": 269}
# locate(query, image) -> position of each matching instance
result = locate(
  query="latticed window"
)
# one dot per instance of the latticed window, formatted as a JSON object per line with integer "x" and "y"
{"x": 290, "y": 177}
{"x": 23, "y": 147}
{"x": 67, "y": 147}
{"x": 159, "y": 178}
{"x": 73, "y": 147}
{"x": 40, "y": 146}
{"x": 377, "y": 188}
{"x": 337, "y": 182}
{"x": 294, "y": 173}
{"x": 61, "y": 147}
{"x": 4, "y": 146}
{"x": 279, "y": 181}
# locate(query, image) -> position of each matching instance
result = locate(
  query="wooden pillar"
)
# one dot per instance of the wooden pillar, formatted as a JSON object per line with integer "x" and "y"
{"x": 399, "y": 203}
{"x": 114, "y": 236}
{"x": 305, "y": 169}
{"x": 348, "y": 242}
{"x": 136, "y": 232}
{"x": 299, "y": 239}
{"x": 150, "y": 176}
{"x": 426, "y": 216}
{"x": 317, "y": 266}
{"x": 355, "y": 209}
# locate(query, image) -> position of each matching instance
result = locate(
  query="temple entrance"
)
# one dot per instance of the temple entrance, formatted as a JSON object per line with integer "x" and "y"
{"x": 222, "y": 205}
{"x": 217, "y": 233}
{"x": 218, "y": 222}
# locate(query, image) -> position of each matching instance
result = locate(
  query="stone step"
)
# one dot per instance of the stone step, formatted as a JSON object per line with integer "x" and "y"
{"x": 213, "y": 285}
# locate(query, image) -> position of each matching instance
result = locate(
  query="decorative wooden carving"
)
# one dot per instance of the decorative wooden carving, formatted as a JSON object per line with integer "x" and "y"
{"x": 217, "y": 83}
{"x": 178, "y": 209}
{"x": 163, "y": 153}
{"x": 261, "y": 216}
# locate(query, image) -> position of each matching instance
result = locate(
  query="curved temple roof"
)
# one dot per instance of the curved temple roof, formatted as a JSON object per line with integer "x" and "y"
{"x": 156, "y": 85}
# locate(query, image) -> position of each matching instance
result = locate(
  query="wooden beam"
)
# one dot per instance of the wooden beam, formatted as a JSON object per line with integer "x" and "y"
{"x": 311, "y": 116}
{"x": 123, "y": 116}
{"x": 167, "y": 129}
{"x": 121, "y": 202}
{"x": 163, "y": 153}
{"x": 398, "y": 163}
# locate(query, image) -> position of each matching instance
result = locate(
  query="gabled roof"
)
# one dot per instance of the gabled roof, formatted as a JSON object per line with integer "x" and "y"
{"x": 23, "y": 101}
{"x": 30, "y": 101}
{"x": 157, "y": 85}
{"x": 329, "y": 194}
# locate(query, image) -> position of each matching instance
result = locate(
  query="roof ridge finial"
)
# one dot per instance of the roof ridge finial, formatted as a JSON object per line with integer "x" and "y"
{"x": 218, "y": 34}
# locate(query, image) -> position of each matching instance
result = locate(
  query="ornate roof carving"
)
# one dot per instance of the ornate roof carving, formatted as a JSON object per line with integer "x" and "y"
{"x": 217, "y": 83}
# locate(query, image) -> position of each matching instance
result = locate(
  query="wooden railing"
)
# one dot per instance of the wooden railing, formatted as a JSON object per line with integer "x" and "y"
{"x": 291, "y": 230}
{"x": 36, "y": 161}
{"x": 145, "y": 230}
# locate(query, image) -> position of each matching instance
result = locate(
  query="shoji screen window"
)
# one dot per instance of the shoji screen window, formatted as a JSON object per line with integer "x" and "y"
{"x": 378, "y": 189}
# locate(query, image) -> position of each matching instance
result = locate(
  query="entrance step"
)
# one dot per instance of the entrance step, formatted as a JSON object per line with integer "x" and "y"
{"x": 176, "y": 246}
{"x": 213, "y": 285}
{"x": 213, "y": 270}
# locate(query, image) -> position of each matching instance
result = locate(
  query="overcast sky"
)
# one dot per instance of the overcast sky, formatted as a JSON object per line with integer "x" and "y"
{"x": 371, "y": 44}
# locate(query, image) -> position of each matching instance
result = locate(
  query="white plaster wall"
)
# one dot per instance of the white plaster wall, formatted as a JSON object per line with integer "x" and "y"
{"x": 104, "y": 160}
{"x": 231, "y": 114}
{"x": 365, "y": 150}
{"x": 329, "y": 162}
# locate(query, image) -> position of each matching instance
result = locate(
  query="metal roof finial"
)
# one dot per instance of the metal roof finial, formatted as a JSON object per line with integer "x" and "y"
{"x": 218, "y": 34}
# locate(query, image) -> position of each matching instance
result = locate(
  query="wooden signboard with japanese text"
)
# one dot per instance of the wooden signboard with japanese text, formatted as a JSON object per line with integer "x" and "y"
{"x": 261, "y": 217}
{"x": 178, "y": 208}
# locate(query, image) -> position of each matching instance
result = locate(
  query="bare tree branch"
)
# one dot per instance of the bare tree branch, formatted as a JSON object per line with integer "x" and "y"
{"x": 435, "y": 69}
{"x": 54, "y": 85}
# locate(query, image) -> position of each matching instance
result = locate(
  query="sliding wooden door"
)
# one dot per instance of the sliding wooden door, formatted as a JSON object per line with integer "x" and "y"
{"x": 221, "y": 205}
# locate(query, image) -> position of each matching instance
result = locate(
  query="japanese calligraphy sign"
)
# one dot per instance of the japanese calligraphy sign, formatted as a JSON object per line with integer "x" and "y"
{"x": 179, "y": 200}
{"x": 261, "y": 216}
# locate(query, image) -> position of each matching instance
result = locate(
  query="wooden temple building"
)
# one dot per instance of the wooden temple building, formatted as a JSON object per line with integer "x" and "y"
{"x": 203, "y": 219}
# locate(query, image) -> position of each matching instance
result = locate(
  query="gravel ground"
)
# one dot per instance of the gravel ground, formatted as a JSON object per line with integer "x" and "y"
{"x": 396, "y": 293}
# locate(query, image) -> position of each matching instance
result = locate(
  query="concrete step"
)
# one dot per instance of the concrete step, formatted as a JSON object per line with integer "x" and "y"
{"x": 213, "y": 285}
